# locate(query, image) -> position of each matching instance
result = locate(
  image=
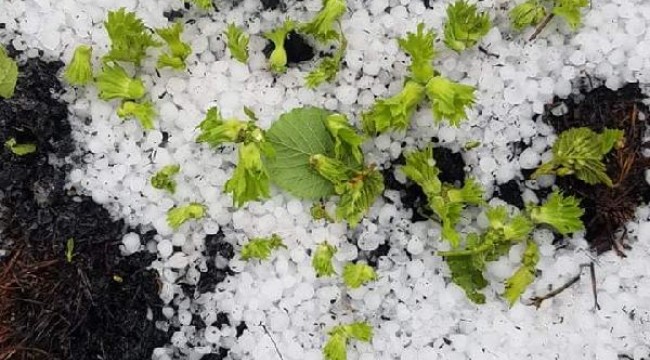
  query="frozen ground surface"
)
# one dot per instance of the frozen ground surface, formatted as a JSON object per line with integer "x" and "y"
{"x": 416, "y": 312}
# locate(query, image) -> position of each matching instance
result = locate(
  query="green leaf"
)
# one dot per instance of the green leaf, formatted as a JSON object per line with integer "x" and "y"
{"x": 358, "y": 194}
{"x": 20, "y": 149}
{"x": 69, "y": 250}
{"x": 130, "y": 39}
{"x": 570, "y": 11}
{"x": 143, "y": 112}
{"x": 321, "y": 26}
{"x": 164, "y": 178}
{"x": 114, "y": 83}
{"x": 421, "y": 168}
{"x": 449, "y": 99}
{"x": 179, "y": 50}
{"x": 237, "y": 41}
{"x": 465, "y": 26}
{"x": 202, "y": 4}
{"x": 524, "y": 276}
{"x": 420, "y": 48}
{"x": 250, "y": 180}
{"x": 393, "y": 113}
{"x": 529, "y": 13}
{"x": 328, "y": 67}
{"x": 8, "y": 75}
{"x": 470, "y": 194}
{"x": 335, "y": 348}
{"x": 580, "y": 151}
{"x": 561, "y": 212}
{"x": 295, "y": 137}
{"x": 347, "y": 143}
{"x": 80, "y": 69}
{"x": 261, "y": 248}
{"x": 360, "y": 331}
{"x": 179, "y": 215}
{"x": 356, "y": 275}
{"x": 467, "y": 267}
{"x": 468, "y": 277}
{"x": 278, "y": 58}
{"x": 322, "y": 260}
{"x": 216, "y": 131}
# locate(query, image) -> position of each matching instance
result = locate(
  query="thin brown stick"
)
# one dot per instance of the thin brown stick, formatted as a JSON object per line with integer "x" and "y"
{"x": 592, "y": 271}
{"x": 541, "y": 26}
{"x": 538, "y": 300}
{"x": 277, "y": 350}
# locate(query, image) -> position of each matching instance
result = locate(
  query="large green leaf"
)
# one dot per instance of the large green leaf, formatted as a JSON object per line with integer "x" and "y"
{"x": 295, "y": 137}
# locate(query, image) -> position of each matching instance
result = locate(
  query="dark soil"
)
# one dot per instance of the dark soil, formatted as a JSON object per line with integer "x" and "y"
{"x": 92, "y": 306}
{"x": 510, "y": 192}
{"x": 608, "y": 209}
{"x": 298, "y": 49}
{"x": 270, "y": 4}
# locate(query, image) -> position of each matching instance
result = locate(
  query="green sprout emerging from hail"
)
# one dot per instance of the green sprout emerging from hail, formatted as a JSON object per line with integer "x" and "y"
{"x": 250, "y": 179}
{"x": 580, "y": 152}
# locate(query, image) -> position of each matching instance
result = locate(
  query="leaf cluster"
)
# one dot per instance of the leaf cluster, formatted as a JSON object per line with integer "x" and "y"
{"x": 446, "y": 201}
{"x": 580, "y": 152}
{"x": 250, "y": 180}
{"x": 561, "y": 213}
{"x": 261, "y": 248}
{"x": 465, "y": 25}
{"x": 449, "y": 100}
{"x": 533, "y": 12}
{"x": 336, "y": 346}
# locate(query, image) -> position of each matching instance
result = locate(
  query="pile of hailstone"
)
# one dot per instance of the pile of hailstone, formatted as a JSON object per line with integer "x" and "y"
{"x": 416, "y": 313}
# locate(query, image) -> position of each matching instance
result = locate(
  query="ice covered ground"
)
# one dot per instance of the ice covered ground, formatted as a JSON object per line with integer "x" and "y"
{"x": 416, "y": 312}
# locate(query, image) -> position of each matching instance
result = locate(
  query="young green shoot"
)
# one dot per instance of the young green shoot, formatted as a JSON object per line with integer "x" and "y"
{"x": 562, "y": 213}
{"x": 178, "y": 50}
{"x": 278, "y": 58}
{"x": 250, "y": 180}
{"x": 393, "y": 113}
{"x": 358, "y": 194}
{"x": 237, "y": 41}
{"x": 8, "y": 74}
{"x": 179, "y": 215}
{"x": 358, "y": 274}
{"x": 419, "y": 46}
{"x": 216, "y": 131}
{"x": 446, "y": 201}
{"x": 336, "y": 346}
{"x": 129, "y": 37}
{"x": 580, "y": 152}
{"x": 524, "y": 276}
{"x": 80, "y": 69}
{"x": 114, "y": 83}
{"x": 328, "y": 67}
{"x": 347, "y": 142}
{"x": 69, "y": 250}
{"x": 143, "y": 112}
{"x": 449, "y": 99}
{"x": 421, "y": 168}
{"x": 322, "y": 25}
{"x": 202, "y": 4}
{"x": 20, "y": 149}
{"x": 570, "y": 11}
{"x": 261, "y": 248}
{"x": 322, "y": 260}
{"x": 529, "y": 13}
{"x": 465, "y": 25}
{"x": 164, "y": 178}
